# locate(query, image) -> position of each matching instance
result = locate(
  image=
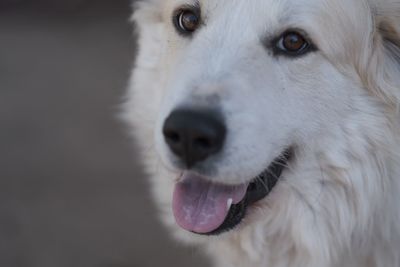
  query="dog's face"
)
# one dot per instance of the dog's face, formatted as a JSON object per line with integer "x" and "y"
{"x": 266, "y": 68}
{"x": 266, "y": 78}
{"x": 247, "y": 98}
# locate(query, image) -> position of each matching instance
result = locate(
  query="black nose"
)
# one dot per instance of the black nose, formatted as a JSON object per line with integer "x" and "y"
{"x": 194, "y": 135}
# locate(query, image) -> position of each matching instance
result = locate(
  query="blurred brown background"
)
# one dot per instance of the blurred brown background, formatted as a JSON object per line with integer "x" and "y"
{"x": 72, "y": 193}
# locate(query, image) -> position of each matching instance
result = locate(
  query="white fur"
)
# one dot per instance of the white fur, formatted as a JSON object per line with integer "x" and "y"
{"x": 338, "y": 203}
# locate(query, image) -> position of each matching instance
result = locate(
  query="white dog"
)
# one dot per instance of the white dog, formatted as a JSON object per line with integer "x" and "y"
{"x": 271, "y": 127}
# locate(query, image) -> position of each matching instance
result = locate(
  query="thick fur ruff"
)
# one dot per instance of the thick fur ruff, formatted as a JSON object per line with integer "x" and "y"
{"x": 338, "y": 203}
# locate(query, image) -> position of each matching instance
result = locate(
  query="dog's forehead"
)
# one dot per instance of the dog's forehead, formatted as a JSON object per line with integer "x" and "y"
{"x": 271, "y": 15}
{"x": 241, "y": 10}
{"x": 333, "y": 26}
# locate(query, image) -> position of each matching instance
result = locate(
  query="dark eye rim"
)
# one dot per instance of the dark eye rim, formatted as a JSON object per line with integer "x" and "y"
{"x": 307, "y": 48}
{"x": 195, "y": 9}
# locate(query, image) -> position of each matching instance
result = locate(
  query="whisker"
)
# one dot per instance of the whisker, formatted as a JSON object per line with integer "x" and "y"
{"x": 272, "y": 174}
{"x": 286, "y": 165}
{"x": 263, "y": 183}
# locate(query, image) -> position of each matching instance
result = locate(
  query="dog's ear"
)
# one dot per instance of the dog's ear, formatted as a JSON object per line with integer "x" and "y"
{"x": 147, "y": 11}
{"x": 388, "y": 22}
{"x": 151, "y": 40}
{"x": 384, "y": 65}
{"x": 150, "y": 32}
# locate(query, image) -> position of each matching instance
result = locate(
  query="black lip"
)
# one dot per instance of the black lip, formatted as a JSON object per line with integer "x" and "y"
{"x": 260, "y": 188}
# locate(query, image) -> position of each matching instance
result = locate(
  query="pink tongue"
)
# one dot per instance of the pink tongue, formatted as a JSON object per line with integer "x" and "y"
{"x": 201, "y": 206}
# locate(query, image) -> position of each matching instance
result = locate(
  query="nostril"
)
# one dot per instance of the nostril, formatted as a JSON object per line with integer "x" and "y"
{"x": 172, "y": 136}
{"x": 203, "y": 142}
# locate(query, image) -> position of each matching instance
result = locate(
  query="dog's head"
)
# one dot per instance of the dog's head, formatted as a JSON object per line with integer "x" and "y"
{"x": 261, "y": 110}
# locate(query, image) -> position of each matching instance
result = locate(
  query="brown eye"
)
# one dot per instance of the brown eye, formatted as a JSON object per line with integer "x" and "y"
{"x": 293, "y": 43}
{"x": 187, "y": 21}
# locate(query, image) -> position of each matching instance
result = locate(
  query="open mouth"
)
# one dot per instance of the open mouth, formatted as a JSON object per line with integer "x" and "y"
{"x": 203, "y": 207}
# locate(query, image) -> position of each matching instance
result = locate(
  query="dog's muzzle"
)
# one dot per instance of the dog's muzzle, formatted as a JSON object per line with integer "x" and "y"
{"x": 193, "y": 136}
{"x": 200, "y": 205}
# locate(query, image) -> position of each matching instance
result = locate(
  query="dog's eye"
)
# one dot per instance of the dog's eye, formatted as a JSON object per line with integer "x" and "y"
{"x": 293, "y": 43}
{"x": 186, "y": 21}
